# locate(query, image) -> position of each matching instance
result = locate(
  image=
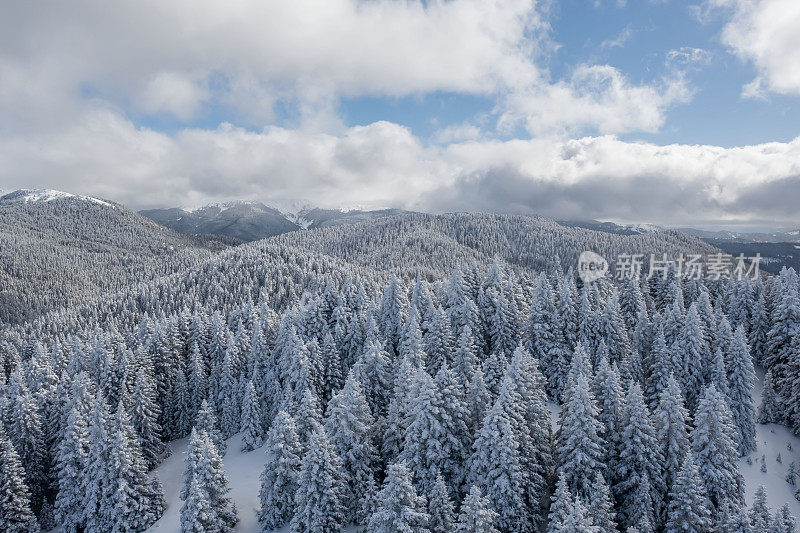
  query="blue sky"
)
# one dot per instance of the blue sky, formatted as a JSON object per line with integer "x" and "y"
{"x": 664, "y": 111}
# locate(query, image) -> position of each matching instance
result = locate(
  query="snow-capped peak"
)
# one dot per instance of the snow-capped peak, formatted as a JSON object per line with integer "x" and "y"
{"x": 47, "y": 195}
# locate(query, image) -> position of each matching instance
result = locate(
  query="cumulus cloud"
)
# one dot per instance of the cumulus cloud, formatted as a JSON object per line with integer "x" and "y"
{"x": 173, "y": 93}
{"x": 765, "y": 32}
{"x": 595, "y": 96}
{"x": 176, "y": 57}
{"x": 384, "y": 164}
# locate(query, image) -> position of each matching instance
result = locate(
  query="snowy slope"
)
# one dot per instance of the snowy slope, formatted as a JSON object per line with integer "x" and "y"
{"x": 772, "y": 439}
{"x": 243, "y": 471}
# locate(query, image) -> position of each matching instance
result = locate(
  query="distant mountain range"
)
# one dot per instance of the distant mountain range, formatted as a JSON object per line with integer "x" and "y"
{"x": 778, "y": 249}
{"x": 251, "y": 221}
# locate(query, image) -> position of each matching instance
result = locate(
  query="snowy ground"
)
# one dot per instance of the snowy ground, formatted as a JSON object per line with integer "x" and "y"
{"x": 772, "y": 439}
{"x": 244, "y": 469}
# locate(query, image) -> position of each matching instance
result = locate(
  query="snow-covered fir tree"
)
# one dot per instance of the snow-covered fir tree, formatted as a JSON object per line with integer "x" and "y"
{"x": 476, "y": 515}
{"x": 399, "y": 507}
{"x": 281, "y": 470}
{"x": 688, "y": 509}
{"x": 252, "y": 434}
{"x": 318, "y": 501}
{"x": 16, "y": 514}
{"x": 349, "y": 426}
{"x": 714, "y": 450}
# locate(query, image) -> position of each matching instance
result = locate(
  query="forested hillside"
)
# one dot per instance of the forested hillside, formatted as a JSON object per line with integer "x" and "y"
{"x": 400, "y": 375}
{"x": 432, "y": 245}
{"x": 59, "y": 250}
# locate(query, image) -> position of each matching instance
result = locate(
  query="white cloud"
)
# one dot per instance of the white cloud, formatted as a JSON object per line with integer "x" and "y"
{"x": 618, "y": 41}
{"x": 596, "y": 96}
{"x": 176, "y": 57}
{"x": 765, "y": 32}
{"x": 384, "y": 164}
{"x": 303, "y": 47}
{"x": 173, "y": 93}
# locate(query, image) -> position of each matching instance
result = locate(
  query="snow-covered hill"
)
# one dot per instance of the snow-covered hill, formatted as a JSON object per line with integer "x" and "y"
{"x": 48, "y": 195}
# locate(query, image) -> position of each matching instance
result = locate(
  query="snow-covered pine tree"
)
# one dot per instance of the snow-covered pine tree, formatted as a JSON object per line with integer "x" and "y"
{"x": 785, "y": 326}
{"x": 27, "y": 436}
{"x": 207, "y": 423}
{"x": 307, "y": 415}
{"x": 661, "y": 367}
{"x": 476, "y": 514}
{"x": 760, "y": 516}
{"x": 438, "y": 341}
{"x": 477, "y": 400}
{"x": 204, "y": 466}
{"x": 190, "y": 462}
{"x": 394, "y": 306}
{"x": 495, "y": 468}
{"x": 639, "y": 462}
{"x": 198, "y": 380}
{"x": 229, "y": 399}
{"x": 424, "y": 445}
{"x": 397, "y": 417}
{"x": 601, "y": 506}
{"x": 333, "y": 374}
{"x": 784, "y": 522}
{"x": 560, "y": 506}
{"x": 759, "y": 330}
{"x": 252, "y": 434}
{"x": 374, "y": 371}
{"x": 465, "y": 359}
{"x": 458, "y": 440}
{"x": 144, "y": 417}
{"x": 279, "y": 478}
{"x": 718, "y": 373}
{"x": 690, "y": 353}
{"x": 769, "y": 412}
{"x": 610, "y": 400}
{"x": 539, "y": 335}
{"x": 318, "y": 504}
{"x": 70, "y": 464}
{"x": 714, "y": 450}
{"x": 580, "y": 446}
{"x": 671, "y": 421}
{"x": 741, "y": 377}
{"x": 440, "y": 508}
{"x": 615, "y": 332}
{"x": 642, "y": 336}
{"x": 16, "y": 515}
{"x": 349, "y": 425}
{"x": 688, "y": 510}
{"x": 493, "y": 367}
{"x": 502, "y": 324}
{"x": 399, "y": 507}
{"x": 97, "y": 487}
{"x": 136, "y": 507}
{"x": 539, "y": 461}
{"x": 579, "y": 520}
{"x": 197, "y": 515}
{"x": 631, "y": 302}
